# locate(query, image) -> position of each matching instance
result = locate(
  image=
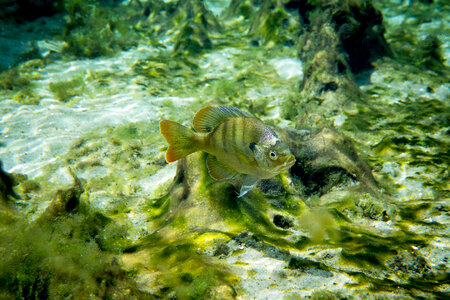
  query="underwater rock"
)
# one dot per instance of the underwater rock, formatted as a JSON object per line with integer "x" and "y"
{"x": 326, "y": 159}
{"x": 353, "y": 26}
{"x": 221, "y": 292}
{"x": 270, "y": 187}
{"x": 65, "y": 201}
{"x": 7, "y": 183}
{"x": 244, "y": 8}
{"x": 273, "y": 23}
{"x": 192, "y": 38}
{"x": 409, "y": 264}
{"x": 195, "y": 23}
{"x": 339, "y": 38}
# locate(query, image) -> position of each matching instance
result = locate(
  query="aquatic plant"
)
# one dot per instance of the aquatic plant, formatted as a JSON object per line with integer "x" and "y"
{"x": 93, "y": 29}
{"x": 18, "y": 84}
{"x": 194, "y": 25}
{"x": 65, "y": 90}
{"x": 13, "y": 80}
{"x": 237, "y": 8}
{"x": 59, "y": 254}
{"x": 272, "y": 23}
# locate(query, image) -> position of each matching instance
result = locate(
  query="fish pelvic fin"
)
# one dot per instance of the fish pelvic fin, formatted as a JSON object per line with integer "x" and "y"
{"x": 181, "y": 140}
{"x": 248, "y": 184}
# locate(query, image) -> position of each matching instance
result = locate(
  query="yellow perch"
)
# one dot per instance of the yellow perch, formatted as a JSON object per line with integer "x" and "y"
{"x": 237, "y": 143}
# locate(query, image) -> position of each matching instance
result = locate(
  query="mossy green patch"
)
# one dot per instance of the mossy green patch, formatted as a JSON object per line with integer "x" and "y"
{"x": 273, "y": 23}
{"x": 56, "y": 259}
{"x": 181, "y": 270}
{"x": 65, "y": 90}
{"x": 94, "y": 29}
{"x": 195, "y": 23}
{"x": 18, "y": 84}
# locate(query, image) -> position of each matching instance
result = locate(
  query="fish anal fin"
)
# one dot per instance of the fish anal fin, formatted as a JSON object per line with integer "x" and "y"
{"x": 207, "y": 118}
{"x": 218, "y": 170}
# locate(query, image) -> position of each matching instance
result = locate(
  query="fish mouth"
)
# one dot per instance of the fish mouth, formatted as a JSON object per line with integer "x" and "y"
{"x": 290, "y": 161}
{"x": 287, "y": 163}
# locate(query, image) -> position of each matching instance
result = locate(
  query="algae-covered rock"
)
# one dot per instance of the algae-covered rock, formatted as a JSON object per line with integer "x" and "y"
{"x": 96, "y": 29}
{"x": 356, "y": 26}
{"x": 271, "y": 220}
{"x": 58, "y": 254}
{"x": 272, "y": 23}
{"x": 7, "y": 183}
{"x": 195, "y": 24}
{"x": 65, "y": 201}
{"x": 326, "y": 159}
{"x": 244, "y": 8}
{"x": 338, "y": 40}
{"x": 346, "y": 226}
{"x": 426, "y": 53}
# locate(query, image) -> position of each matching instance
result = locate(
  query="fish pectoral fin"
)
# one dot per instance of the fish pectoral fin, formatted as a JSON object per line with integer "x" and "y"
{"x": 247, "y": 185}
{"x": 207, "y": 118}
{"x": 218, "y": 170}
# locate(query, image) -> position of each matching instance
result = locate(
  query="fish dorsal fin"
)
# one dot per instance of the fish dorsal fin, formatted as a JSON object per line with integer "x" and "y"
{"x": 218, "y": 170}
{"x": 207, "y": 118}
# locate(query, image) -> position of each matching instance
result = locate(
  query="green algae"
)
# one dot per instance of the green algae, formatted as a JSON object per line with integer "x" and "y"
{"x": 418, "y": 139}
{"x": 64, "y": 91}
{"x": 129, "y": 149}
{"x": 273, "y": 24}
{"x": 94, "y": 30}
{"x": 12, "y": 79}
{"x": 181, "y": 270}
{"x": 18, "y": 84}
{"x": 164, "y": 71}
{"x": 195, "y": 25}
{"x": 324, "y": 295}
{"x": 59, "y": 259}
{"x": 244, "y": 8}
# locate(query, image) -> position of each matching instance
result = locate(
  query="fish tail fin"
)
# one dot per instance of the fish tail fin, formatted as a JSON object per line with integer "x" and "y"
{"x": 180, "y": 138}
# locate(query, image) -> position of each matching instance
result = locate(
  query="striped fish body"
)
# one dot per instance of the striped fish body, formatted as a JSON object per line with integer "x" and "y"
{"x": 237, "y": 144}
{"x": 230, "y": 142}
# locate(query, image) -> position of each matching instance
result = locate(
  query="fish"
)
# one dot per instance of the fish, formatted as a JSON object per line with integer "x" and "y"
{"x": 236, "y": 143}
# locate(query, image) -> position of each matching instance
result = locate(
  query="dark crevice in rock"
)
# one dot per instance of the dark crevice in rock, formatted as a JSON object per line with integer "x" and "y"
{"x": 282, "y": 222}
{"x": 7, "y": 183}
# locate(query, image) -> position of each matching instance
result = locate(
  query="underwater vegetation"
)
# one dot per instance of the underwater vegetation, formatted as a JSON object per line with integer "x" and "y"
{"x": 61, "y": 253}
{"x": 65, "y": 90}
{"x": 99, "y": 213}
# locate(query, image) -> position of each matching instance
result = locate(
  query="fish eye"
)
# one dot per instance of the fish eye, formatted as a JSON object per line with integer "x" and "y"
{"x": 272, "y": 155}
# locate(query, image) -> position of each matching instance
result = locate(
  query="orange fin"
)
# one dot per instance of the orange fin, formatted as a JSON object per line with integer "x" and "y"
{"x": 181, "y": 140}
{"x": 207, "y": 118}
